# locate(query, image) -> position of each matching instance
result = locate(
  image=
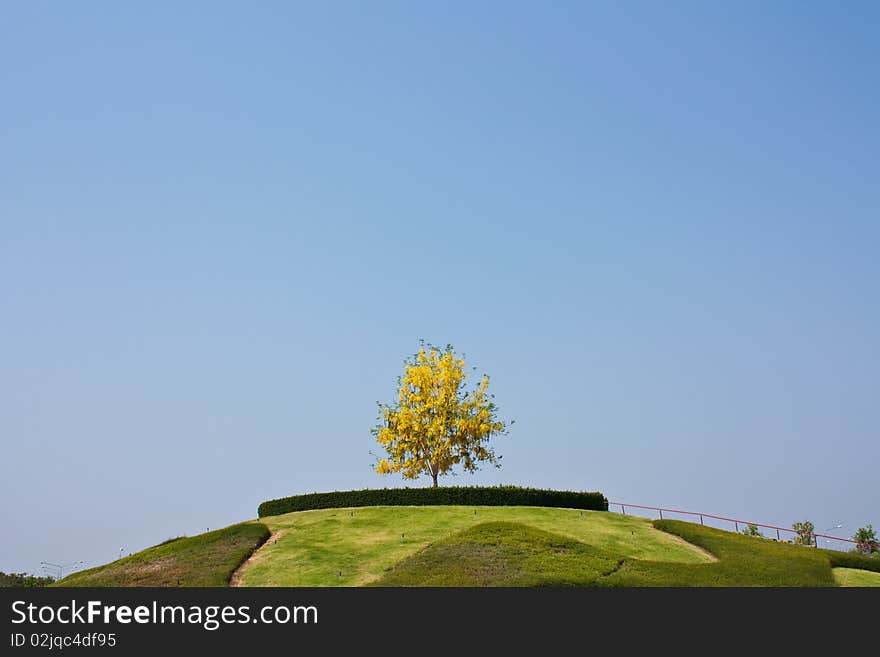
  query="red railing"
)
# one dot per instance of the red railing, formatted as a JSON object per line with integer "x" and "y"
{"x": 736, "y": 522}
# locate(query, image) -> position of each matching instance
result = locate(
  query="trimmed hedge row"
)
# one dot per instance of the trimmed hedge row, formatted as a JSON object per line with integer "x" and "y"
{"x": 854, "y": 560}
{"x": 449, "y": 495}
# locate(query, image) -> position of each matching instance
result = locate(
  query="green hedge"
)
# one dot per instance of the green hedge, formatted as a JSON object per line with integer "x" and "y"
{"x": 854, "y": 560}
{"x": 451, "y": 495}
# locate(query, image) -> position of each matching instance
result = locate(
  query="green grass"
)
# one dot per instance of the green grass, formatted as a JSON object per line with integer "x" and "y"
{"x": 742, "y": 561}
{"x": 503, "y": 554}
{"x": 478, "y": 546}
{"x": 509, "y": 554}
{"x": 311, "y": 548}
{"x": 205, "y": 560}
{"x": 855, "y": 577}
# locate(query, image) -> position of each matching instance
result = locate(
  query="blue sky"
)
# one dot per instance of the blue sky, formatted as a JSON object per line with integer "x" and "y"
{"x": 223, "y": 228}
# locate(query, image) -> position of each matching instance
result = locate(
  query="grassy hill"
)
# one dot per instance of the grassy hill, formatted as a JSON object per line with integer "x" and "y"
{"x": 477, "y": 546}
{"x": 504, "y": 554}
{"x": 510, "y": 554}
{"x": 205, "y": 560}
{"x": 312, "y": 548}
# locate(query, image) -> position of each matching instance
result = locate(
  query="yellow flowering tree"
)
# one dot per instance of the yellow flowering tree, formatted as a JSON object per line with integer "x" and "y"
{"x": 436, "y": 423}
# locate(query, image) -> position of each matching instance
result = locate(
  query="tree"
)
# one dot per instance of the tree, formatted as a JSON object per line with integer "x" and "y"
{"x": 804, "y": 532}
{"x": 866, "y": 540}
{"x": 436, "y": 423}
{"x": 752, "y": 530}
{"x": 23, "y": 580}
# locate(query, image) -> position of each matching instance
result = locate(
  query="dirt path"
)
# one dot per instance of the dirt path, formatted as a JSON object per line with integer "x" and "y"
{"x": 257, "y": 555}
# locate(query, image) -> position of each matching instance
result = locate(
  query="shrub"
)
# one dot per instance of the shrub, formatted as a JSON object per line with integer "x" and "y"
{"x": 23, "y": 580}
{"x": 853, "y": 560}
{"x": 447, "y": 495}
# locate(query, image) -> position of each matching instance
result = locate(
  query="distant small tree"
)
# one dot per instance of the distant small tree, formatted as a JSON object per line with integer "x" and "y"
{"x": 866, "y": 540}
{"x": 752, "y": 530}
{"x": 804, "y": 532}
{"x": 23, "y": 580}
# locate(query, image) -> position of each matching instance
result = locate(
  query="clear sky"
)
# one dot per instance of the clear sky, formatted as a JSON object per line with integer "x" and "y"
{"x": 224, "y": 226}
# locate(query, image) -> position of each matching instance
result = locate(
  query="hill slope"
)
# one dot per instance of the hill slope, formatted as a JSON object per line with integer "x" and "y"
{"x": 353, "y": 547}
{"x": 508, "y": 554}
{"x": 477, "y": 546}
{"x": 503, "y": 554}
{"x": 205, "y": 560}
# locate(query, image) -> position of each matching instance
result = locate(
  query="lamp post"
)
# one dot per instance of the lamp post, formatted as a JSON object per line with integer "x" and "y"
{"x": 59, "y": 568}
{"x": 830, "y": 529}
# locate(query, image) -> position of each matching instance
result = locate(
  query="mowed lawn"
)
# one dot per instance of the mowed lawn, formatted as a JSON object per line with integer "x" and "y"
{"x": 358, "y": 546}
{"x": 477, "y": 546}
{"x": 513, "y": 554}
{"x": 855, "y": 577}
{"x": 503, "y": 554}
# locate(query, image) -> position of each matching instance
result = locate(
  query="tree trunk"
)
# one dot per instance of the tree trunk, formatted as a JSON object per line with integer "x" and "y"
{"x": 434, "y": 475}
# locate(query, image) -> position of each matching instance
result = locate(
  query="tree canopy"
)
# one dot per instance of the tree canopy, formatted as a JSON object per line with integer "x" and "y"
{"x": 436, "y": 422}
{"x": 866, "y": 540}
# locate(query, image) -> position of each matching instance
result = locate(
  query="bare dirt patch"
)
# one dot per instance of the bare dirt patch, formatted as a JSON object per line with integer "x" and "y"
{"x": 258, "y": 555}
